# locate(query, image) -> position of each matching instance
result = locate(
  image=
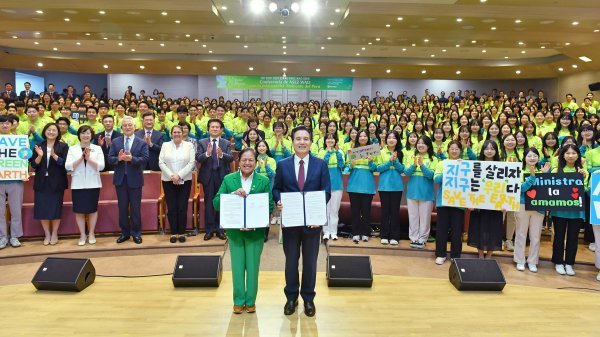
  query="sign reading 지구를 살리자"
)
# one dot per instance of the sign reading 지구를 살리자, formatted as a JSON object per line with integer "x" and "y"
{"x": 481, "y": 184}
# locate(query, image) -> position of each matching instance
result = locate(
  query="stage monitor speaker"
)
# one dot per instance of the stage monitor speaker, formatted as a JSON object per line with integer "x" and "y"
{"x": 476, "y": 274}
{"x": 349, "y": 271}
{"x": 198, "y": 271}
{"x": 64, "y": 274}
{"x": 594, "y": 86}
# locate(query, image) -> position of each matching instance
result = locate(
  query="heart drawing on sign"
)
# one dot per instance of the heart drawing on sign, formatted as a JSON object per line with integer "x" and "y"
{"x": 531, "y": 193}
{"x": 574, "y": 195}
{"x": 575, "y": 189}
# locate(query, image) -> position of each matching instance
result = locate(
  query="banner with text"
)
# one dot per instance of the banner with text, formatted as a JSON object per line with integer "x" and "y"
{"x": 372, "y": 150}
{"x": 556, "y": 192}
{"x": 595, "y": 199}
{"x": 280, "y": 82}
{"x": 14, "y": 155}
{"x": 481, "y": 184}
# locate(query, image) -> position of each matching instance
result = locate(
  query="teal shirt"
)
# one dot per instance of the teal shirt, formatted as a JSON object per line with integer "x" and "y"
{"x": 390, "y": 173}
{"x": 420, "y": 185}
{"x": 361, "y": 178}
{"x": 335, "y": 164}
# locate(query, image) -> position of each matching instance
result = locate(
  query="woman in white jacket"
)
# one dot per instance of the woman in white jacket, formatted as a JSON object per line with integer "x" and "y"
{"x": 85, "y": 161}
{"x": 176, "y": 160}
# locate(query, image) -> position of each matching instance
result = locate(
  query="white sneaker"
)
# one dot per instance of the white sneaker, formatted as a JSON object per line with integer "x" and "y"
{"x": 503, "y": 245}
{"x": 440, "y": 260}
{"x": 82, "y": 241}
{"x": 598, "y": 277}
{"x": 3, "y": 242}
{"x": 569, "y": 270}
{"x": 560, "y": 269}
{"x": 92, "y": 239}
{"x": 384, "y": 241}
{"x": 592, "y": 246}
{"x": 334, "y": 237}
{"x": 520, "y": 266}
{"x": 532, "y": 268}
{"x": 325, "y": 236}
{"x": 365, "y": 238}
{"x": 356, "y": 238}
{"x": 393, "y": 242}
{"x": 510, "y": 246}
{"x": 15, "y": 242}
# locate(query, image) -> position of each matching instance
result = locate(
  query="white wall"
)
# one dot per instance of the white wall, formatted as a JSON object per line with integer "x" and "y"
{"x": 172, "y": 86}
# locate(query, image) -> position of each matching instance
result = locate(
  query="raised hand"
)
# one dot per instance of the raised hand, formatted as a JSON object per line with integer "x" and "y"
{"x": 147, "y": 139}
{"x": 219, "y": 152}
{"x": 209, "y": 149}
{"x": 121, "y": 155}
{"x": 108, "y": 141}
{"x": 101, "y": 140}
{"x": 39, "y": 151}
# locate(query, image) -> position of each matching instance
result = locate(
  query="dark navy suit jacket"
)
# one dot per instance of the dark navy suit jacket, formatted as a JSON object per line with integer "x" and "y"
{"x": 154, "y": 151}
{"x": 135, "y": 168}
{"x": 317, "y": 177}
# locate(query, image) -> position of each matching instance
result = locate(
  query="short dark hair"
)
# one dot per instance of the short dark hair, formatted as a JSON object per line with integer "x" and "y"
{"x": 46, "y": 128}
{"x": 146, "y": 114}
{"x": 215, "y": 120}
{"x": 64, "y": 119}
{"x": 108, "y": 116}
{"x": 3, "y": 118}
{"x": 182, "y": 108}
{"x": 91, "y": 107}
{"x": 248, "y": 149}
{"x": 26, "y": 83}
{"x": 302, "y": 128}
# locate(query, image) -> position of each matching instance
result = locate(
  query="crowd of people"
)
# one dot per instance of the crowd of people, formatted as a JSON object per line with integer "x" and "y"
{"x": 86, "y": 134}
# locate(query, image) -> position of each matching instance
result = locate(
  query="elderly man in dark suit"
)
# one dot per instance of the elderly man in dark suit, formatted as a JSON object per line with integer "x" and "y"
{"x": 129, "y": 156}
{"x": 153, "y": 138}
{"x": 214, "y": 156}
{"x": 104, "y": 139}
{"x": 301, "y": 172}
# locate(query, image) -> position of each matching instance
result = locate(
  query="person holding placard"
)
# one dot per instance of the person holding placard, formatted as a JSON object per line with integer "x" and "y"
{"x": 245, "y": 244}
{"x": 361, "y": 189}
{"x": 302, "y": 172}
{"x": 567, "y": 223}
{"x": 529, "y": 221}
{"x": 485, "y": 226}
{"x": 508, "y": 153}
{"x": 419, "y": 192}
{"x": 390, "y": 188}
{"x": 449, "y": 218}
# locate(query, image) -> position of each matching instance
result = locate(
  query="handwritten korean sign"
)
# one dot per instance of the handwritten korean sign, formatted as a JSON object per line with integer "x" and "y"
{"x": 364, "y": 151}
{"x": 481, "y": 184}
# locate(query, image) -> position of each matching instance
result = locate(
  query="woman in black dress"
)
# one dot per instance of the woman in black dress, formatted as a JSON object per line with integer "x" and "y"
{"x": 48, "y": 162}
{"x": 485, "y": 226}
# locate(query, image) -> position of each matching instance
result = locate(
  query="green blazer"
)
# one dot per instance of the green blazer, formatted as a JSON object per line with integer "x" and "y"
{"x": 233, "y": 182}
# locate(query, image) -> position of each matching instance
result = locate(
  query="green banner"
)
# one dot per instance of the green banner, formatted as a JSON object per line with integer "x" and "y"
{"x": 280, "y": 82}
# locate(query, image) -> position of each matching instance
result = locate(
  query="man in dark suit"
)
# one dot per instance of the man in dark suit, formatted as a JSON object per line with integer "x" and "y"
{"x": 302, "y": 172}
{"x": 214, "y": 156}
{"x": 27, "y": 93}
{"x": 9, "y": 95}
{"x": 104, "y": 139}
{"x": 55, "y": 95}
{"x": 129, "y": 155}
{"x": 153, "y": 138}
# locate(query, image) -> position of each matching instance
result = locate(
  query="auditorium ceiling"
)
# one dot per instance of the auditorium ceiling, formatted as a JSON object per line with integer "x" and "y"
{"x": 446, "y": 39}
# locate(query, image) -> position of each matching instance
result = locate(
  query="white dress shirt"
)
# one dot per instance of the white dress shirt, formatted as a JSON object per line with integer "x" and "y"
{"x": 247, "y": 182}
{"x": 297, "y": 165}
{"x": 179, "y": 160}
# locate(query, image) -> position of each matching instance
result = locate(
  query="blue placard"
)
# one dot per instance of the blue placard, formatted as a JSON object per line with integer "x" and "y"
{"x": 595, "y": 199}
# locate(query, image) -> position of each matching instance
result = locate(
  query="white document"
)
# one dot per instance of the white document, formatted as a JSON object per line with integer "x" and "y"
{"x": 315, "y": 204}
{"x": 237, "y": 213}
{"x": 303, "y": 209}
{"x": 292, "y": 213}
{"x": 257, "y": 210}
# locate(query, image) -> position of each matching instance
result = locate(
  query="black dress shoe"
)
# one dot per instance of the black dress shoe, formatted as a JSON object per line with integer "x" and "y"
{"x": 137, "y": 239}
{"x": 290, "y": 307}
{"x": 222, "y": 236}
{"x": 208, "y": 236}
{"x": 309, "y": 309}
{"x": 182, "y": 239}
{"x": 173, "y": 239}
{"x": 122, "y": 238}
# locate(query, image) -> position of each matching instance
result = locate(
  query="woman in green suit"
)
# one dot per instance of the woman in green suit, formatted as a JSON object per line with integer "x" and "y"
{"x": 245, "y": 245}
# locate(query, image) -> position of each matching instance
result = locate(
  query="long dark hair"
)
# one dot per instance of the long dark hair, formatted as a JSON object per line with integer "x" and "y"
{"x": 398, "y": 147}
{"x": 429, "y": 145}
{"x": 561, "y": 157}
{"x": 262, "y": 141}
{"x": 526, "y": 151}
{"x": 485, "y": 146}
{"x": 356, "y": 143}
{"x": 504, "y": 155}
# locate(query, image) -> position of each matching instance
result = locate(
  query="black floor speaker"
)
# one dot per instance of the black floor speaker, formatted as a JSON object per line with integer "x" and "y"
{"x": 198, "y": 271}
{"x": 349, "y": 271}
{"x": 476, "y": 274}
{"x": 64, "y": 274}
{"x": 594, "y": 86}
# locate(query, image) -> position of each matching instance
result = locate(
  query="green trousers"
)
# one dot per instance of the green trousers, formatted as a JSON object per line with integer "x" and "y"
{"x": 245, "y": 248}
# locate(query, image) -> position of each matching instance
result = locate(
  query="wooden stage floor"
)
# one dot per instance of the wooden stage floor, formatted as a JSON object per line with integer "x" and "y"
{"x": 395, "y": 306}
